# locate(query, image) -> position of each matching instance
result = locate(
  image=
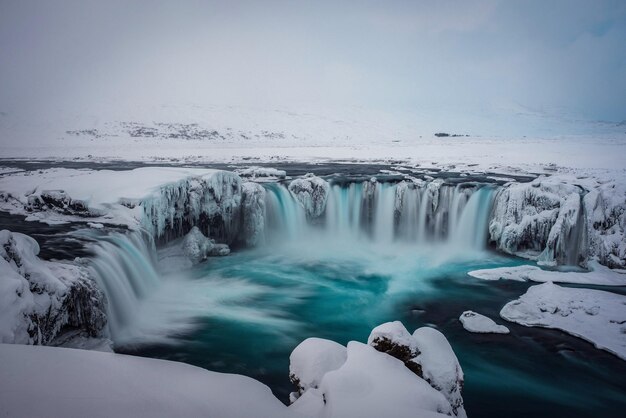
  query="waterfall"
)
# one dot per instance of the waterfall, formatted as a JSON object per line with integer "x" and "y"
{"x": 388, "y": 212}
{"x": 124, "y": 267}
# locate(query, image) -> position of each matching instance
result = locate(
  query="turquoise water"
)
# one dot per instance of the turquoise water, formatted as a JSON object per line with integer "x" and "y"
{"x": 245, "y": 313}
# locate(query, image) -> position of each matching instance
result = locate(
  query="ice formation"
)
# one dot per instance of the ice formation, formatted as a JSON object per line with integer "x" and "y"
{"x": 253, "y": 213}
{"x": 311, "y": 191}
{"x": 475, "y": 322}
{"x": 38, "y": 298}
{"x": 594, "y": 315}
{"x": 562, "y": 219}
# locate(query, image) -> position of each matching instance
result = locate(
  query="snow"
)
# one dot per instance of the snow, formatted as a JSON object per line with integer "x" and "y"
{"x": 475, "y": 322}
{"x": 593, "y": 315}
{"x": 253, "y": 213}
{"x": 599, "y": 275}
{"x": 44, "y": 381}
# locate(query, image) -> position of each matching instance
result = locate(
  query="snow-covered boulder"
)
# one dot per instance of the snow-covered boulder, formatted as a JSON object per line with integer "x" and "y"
{"x": 593, "y": 315}
{"x": 311, "y": 360}
{"x": 38, "y": 298}
{"x": 197, "y": 247}
{"x": 475, "y": 322}
{"x": 427, "y": 354}
{"x": 394, "y": 339}
{"x": 253, "y": 213}
{"x": 312, "y": 192}
{"x": 371, "y": 384}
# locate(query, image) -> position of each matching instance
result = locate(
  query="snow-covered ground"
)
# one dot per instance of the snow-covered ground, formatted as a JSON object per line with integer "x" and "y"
{"x": 596, "y": 316}
{"x": 356, "y": 381}
{"x": 475, "y": 322}
{"x": 511, "y": 137}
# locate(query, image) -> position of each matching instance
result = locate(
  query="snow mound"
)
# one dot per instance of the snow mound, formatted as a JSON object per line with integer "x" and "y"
{"x": 593, "y": 315}
{"x": 600, "y": 275}
{"x": 475, "y": 322}
{"x": 312, "y": 193}
{"x": 38, "y": 298}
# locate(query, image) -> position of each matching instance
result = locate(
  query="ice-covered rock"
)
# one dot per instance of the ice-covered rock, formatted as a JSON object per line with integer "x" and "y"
{"x": 475, "y": 322}
{"x": 38, "y": 298}
{"x": 255, "y": 172}
{"x": 594, "y": 315}
{"x": 312, "y": 192}
{"x": 198, "y": 247}
{"x": 605, "y": 213}
{"x": 210, "y": 202}
{"x": 563, "y": 219}
{"x": 427, "y": 354}
{"x": 311, "y": 360}
{"x": 541, "y": 220}
{"x": 253, "y": 213}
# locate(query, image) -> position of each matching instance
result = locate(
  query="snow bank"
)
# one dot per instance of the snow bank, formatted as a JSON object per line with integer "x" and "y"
{"x": 563, "y": 219}
{"x": 47, "y": 381}
{"x": 38, "y": 298}
{"x": 593, "y": 315}
{"x": 475, "y": 322}
{"x": 312, "y": 193}
{"x": 600, "y": 275}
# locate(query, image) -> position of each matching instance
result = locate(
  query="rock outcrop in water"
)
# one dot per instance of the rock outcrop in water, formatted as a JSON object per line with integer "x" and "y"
{"x": 38, "y": 298}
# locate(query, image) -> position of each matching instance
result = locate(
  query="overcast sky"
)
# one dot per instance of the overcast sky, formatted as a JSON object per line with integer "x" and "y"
{"x": 83, "y": 55}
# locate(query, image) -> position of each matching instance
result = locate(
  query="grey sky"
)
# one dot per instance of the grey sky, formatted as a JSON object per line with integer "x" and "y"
{"x": 83, "y": 55}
